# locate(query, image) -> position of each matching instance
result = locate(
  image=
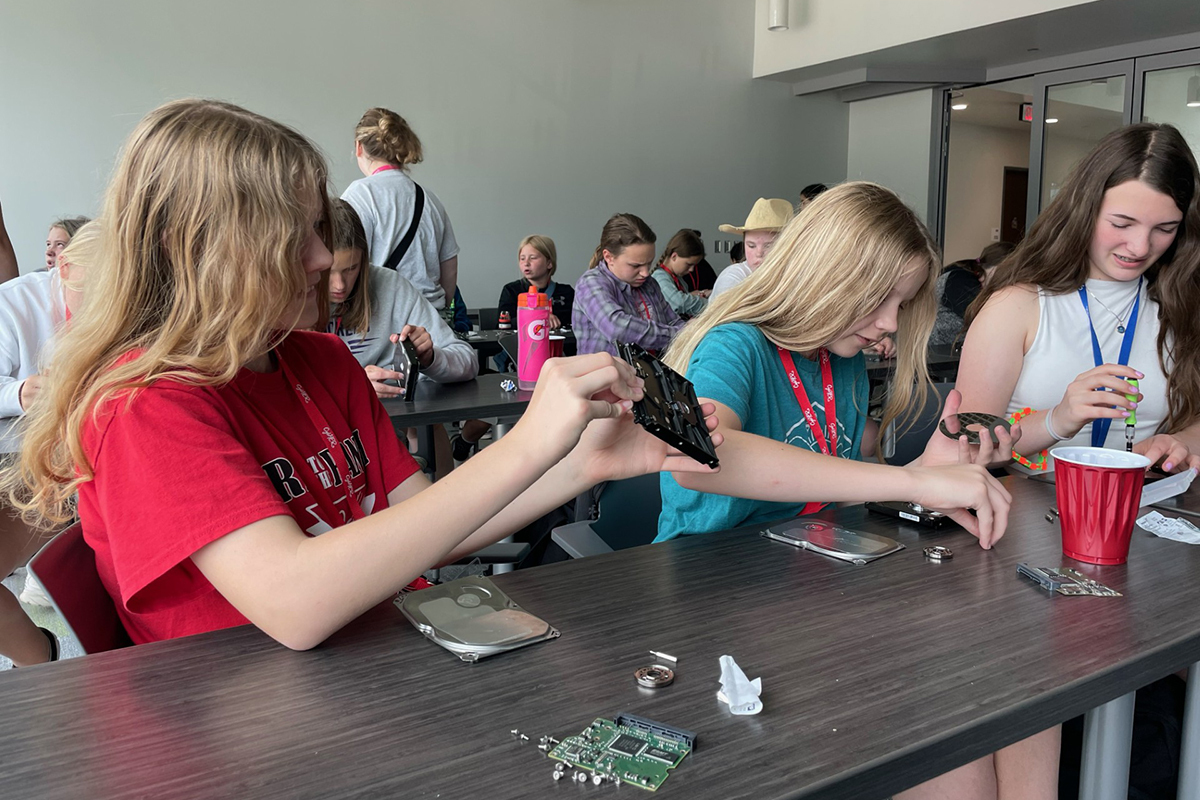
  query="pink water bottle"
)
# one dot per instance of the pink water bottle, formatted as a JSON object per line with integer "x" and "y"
{"x": 533, "y": 336}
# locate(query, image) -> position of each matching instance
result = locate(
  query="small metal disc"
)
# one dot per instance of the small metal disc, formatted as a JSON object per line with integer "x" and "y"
{"x": 654, "y": 676}
{"x": 938, "y": 553}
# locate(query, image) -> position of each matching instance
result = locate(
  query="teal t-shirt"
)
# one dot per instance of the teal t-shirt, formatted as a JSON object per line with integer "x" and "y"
{"x": 737, "y": 366}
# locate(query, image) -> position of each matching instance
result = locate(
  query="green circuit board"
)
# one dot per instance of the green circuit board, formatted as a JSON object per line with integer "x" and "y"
{"x": 630, "y": 753}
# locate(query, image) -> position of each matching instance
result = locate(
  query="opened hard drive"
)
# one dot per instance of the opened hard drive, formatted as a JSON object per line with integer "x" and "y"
{"x": 473, "y": 619}
{"x": 857, "y": 547}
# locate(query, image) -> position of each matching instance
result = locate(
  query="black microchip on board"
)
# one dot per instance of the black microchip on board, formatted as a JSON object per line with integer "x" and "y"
{"x": 661, "y": 755}
{"x": 627, "y": 745}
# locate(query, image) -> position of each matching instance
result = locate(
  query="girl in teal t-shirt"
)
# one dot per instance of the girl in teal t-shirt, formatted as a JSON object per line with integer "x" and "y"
{"x": 780, "y": 356}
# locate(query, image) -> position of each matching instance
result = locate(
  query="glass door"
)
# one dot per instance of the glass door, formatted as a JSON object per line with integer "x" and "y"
{"x": 1073, "y": 110}
{"x": 1168, "y": 90}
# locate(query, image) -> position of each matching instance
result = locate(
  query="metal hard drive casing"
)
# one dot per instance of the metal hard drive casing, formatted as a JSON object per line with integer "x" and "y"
{"x": 831, "y": 540}
{"x": 473, "y": 619}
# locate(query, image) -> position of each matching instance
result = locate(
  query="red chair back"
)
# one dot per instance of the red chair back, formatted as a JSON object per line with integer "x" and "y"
{"x": 66, "y": 569}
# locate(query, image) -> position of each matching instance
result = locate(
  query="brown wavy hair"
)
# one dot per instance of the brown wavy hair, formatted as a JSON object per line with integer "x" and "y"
{"x": 348, "y": 234}
{"x": 621, "y": 231}
{"x": 204, "y": 224}
{"x": 386, "y": 136}
{"x": 1054, "y": 256}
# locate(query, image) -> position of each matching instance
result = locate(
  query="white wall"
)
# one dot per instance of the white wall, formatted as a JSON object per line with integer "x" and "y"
{"x": 975, "y": 184}
{"x": 538, "y": 116}
{"x": 889, "y": 143}
{"x": 826, "y": 30}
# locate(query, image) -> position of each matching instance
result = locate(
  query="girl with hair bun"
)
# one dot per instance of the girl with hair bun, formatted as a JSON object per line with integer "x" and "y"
{"x": 406, "y": 225}
{"x": 1104, "y": 288}
{"x": 615, "y": 301}
{"x": 230, "y": 466}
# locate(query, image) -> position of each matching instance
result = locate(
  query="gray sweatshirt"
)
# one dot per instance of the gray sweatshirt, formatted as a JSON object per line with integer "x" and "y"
{"x": 395, "y": 302}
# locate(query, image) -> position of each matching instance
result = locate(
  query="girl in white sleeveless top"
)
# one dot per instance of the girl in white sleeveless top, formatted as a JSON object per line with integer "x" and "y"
{"x": 1117, "y": 253}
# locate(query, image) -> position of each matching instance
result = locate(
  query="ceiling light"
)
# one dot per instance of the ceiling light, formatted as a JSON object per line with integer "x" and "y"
{"x": 959, "y": 106}
{"x": 1193, "y": 97}
{"x": 1051, "y": 120}
{"x": 957, "y": 102}
{"x": 777, "y": 15}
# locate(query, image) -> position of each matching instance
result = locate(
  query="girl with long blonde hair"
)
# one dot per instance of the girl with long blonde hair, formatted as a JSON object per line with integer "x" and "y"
{"x": 232, "y": 467}
{"x": 779, "y": 355}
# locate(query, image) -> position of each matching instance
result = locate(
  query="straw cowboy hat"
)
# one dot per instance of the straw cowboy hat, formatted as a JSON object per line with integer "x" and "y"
{"x": 767, "y": 215}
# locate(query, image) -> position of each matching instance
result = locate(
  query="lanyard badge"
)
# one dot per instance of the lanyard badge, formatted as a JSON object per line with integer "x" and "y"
{"x": 1100, "y": 426}
{"x": 827, "y": 443}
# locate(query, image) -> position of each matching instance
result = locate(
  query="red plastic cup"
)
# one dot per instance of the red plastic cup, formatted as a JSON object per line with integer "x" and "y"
{"x": 1099, "y": 492}
{"x": 556, "y": 346}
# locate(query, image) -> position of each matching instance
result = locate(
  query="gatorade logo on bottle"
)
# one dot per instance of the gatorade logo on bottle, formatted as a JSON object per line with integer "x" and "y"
{"x": 537, "y": 330}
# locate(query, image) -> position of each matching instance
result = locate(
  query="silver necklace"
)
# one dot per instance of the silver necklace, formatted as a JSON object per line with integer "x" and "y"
{"x": 1120, "y": 318}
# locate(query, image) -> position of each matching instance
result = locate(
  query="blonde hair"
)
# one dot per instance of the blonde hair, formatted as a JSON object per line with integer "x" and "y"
{"x": 545, "y": 246}
{"x": 83, "y": 247}
{"x": 205, "y": 221}
{"x": 385, "y": 136}
{"x": 348, "y": 234}
{"x": 621, "y": 231}
{"x": 835, "y": 263}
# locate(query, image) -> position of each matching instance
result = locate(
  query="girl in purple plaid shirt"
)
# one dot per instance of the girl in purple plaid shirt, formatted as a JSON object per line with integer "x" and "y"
{"x": 615, "y": 301}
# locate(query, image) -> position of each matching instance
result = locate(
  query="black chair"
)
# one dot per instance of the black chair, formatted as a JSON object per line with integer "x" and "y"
{"x": 489, "y": 319}
{"x": 910, "y": 445}
{"x": 627, "y": 516}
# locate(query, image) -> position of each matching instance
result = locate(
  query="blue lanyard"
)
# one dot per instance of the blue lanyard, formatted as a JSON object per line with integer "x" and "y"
{"x": 1100, "y": 426}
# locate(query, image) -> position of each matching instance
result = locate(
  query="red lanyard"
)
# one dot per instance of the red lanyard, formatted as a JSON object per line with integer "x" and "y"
{"x": 674, "y": 278}
{"x": 384, "y": 168}
{"x": 828, "y": 446}
{"x": 326, "y": 430}
{"x": 645, "y": 308}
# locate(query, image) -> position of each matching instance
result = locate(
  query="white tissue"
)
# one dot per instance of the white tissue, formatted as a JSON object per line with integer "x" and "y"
{"x": 1167, "y": 488}
{"x": 1179, "y": 530}
{"x": 740, "y": 693}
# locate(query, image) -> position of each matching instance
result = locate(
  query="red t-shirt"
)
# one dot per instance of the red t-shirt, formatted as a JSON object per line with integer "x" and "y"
{"x": 184, "y": 465}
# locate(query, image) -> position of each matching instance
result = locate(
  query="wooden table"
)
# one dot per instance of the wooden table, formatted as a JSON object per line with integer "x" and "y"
{"x": 875, "y": 678}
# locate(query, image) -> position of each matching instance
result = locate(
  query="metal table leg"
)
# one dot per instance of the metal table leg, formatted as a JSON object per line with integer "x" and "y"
{"x": 1107, "y": 736}
{"x": 502, "y": 427}
{"x": 1189, "y": 760}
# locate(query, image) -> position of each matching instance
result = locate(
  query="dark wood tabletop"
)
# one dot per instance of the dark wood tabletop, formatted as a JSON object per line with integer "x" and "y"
{"x": 481, "y": 398}
{"x": 874, "y": 677}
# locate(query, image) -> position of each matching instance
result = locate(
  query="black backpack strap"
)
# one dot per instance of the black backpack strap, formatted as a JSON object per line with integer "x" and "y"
{"x": 397, "y": 255}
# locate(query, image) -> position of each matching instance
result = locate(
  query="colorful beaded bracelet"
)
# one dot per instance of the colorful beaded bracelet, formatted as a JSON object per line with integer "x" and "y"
{"x": 1037, "y": 462}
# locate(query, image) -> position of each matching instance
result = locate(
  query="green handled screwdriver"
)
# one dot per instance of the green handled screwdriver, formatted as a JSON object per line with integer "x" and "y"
{"x": 1131, "y": 420}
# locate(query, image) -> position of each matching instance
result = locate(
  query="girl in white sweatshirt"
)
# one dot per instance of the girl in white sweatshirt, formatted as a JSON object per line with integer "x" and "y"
{"x": 372, "y": 308}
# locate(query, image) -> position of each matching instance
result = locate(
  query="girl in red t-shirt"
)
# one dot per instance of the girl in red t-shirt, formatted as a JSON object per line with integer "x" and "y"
{"x": 232, "y": 467}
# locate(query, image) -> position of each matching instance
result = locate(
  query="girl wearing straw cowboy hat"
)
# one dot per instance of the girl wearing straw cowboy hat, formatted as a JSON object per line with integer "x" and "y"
{"x": 763, "y": 224}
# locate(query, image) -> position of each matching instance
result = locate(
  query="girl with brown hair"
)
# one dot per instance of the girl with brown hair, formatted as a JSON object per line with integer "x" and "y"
{"x": 406, "y": 225}
{"x": 614, "y": 300}
{"x": 678, "y": 260}
{"x": 1105, "y": 288}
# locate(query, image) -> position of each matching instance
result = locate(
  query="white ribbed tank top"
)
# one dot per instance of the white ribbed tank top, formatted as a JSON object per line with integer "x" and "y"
{"x": 1062, "y": 349}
